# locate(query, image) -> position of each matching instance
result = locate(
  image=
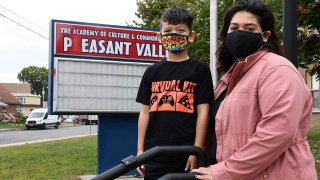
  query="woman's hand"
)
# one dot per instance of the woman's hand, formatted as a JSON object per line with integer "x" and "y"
{"x": 191, "y": 163}
{"x": 203, "y": 173}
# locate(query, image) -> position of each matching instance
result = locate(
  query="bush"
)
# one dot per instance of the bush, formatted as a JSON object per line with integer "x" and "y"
{"x": 20, "y": 118}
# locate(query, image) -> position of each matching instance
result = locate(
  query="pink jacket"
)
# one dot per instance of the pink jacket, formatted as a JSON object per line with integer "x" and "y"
{"x": 262, "y": 124}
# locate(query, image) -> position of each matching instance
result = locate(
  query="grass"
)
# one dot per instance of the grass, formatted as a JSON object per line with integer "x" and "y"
{"x": 314, "y": 140}
{"x": 65, "y": 159}
{"x": 9, "y": 126}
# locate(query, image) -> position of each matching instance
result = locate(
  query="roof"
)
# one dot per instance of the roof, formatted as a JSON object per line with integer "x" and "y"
{"x": 17, "y": 87}
{"x": 3, "y": 104}
{"x": 6, "y": 97}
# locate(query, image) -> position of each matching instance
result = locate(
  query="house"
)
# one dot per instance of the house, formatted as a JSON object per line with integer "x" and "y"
{"x": 22, "y": 92}
{"x": 314, "y": 86}
{"x": 29, "y": 102}
{"x": 3, "y": 107}
{"x": 10, "y": 104}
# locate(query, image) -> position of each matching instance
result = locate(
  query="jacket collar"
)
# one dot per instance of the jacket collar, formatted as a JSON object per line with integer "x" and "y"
{"x": 236, "y": 72}
{"x": 252, "y": 59}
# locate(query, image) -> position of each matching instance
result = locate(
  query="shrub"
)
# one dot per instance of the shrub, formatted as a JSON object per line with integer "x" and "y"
{"x": 20, "y": 118}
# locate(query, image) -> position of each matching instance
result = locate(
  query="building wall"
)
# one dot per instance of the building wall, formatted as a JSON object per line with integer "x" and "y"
{"x": 26, "y": 111}
{"x": 12, "y": 109}
{"x": 35, "y": 100}
{"x": 316, "y": 100}
{"x": 316, "y": 119}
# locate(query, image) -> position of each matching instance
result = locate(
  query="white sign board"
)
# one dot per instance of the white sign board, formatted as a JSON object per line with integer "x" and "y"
{"x": 89, "y": 75}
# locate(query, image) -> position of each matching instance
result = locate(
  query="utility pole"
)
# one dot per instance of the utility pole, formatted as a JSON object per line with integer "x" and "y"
{"x": 290, "y": 30}
{"x": 43, "y": 97}
{"x": 213, "y": 39}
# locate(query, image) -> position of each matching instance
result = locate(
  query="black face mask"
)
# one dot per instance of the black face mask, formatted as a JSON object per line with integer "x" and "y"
{"x": 243, "y": 43}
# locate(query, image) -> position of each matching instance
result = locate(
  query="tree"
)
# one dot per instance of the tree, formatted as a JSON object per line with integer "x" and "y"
{"x": 37, "y": 77}
{"x": 149, "y": 12}
{"x": 308, "y": 35}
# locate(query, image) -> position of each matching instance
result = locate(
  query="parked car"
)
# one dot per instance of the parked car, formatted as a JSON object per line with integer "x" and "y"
{"x": 39, "y": 118}
{"x": 89, "y": 119}
{"x": 70, "y": 119}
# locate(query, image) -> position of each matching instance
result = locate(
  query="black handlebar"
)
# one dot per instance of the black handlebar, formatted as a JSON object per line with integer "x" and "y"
{"x": 178, "y": 176}
{"x": 133, "y": 162}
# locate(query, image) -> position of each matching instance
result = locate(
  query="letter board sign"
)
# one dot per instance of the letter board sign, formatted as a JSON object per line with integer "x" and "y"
{"x": 97, "y": 68}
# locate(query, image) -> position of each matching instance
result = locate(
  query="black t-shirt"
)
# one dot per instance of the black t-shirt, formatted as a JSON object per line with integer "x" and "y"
{"x": 173, "y": 90}
{"x": 213, "y": 112}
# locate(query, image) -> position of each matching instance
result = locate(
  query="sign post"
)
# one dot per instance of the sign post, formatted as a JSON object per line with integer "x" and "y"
{"x": 97, "y": 69}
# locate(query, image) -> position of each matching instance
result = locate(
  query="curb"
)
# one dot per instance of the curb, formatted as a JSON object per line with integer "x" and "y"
{"x": 12, "y": 129}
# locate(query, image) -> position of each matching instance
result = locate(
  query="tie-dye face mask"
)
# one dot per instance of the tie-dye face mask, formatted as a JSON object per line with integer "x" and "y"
{"x": 174, "y": 42}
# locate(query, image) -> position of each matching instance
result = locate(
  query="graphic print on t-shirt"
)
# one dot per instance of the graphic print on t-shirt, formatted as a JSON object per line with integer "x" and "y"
{"x": 184, "y": 101}
{"x": 172, "y": 96}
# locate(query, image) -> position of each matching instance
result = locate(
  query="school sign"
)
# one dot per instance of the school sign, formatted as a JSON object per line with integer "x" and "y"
{"x": 97, "y": 68}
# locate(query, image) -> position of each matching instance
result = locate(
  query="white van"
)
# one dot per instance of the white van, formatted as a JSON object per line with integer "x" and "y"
{"x": 39, "y": 118}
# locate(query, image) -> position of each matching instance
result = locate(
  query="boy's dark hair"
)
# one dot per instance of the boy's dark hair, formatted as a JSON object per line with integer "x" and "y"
{"x": 177, "y": 15}
{"x": 266, "y": 20}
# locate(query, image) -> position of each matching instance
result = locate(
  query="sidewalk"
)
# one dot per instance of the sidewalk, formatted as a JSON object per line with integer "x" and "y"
{"x": 88, "y": 177}
{"x": 11, "y": 129}
{"x": 45, "y": 140}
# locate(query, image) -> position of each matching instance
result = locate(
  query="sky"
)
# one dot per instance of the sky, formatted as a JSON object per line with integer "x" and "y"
{"x": 20, "y": 48}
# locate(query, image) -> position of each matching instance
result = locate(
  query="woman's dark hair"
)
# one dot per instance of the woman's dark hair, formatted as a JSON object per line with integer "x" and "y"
{"x": 177, "y": 15}
{"x": 267, "y": 22}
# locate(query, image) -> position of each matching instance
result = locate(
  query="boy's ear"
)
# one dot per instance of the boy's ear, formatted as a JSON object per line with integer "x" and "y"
{"x": 192, "y": 36}
{"x": 159, "y": 37}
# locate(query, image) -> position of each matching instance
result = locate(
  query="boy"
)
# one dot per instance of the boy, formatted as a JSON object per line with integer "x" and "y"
{"x": 175, "y": 94}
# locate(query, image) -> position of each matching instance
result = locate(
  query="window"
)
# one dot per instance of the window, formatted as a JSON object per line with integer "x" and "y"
{"x": 36, "y": 114}
{"x": 18, "y": 108}
{"x": 3, "y": 109}
{"x": 22, "y": 100}
{"x": 315, "y": 91}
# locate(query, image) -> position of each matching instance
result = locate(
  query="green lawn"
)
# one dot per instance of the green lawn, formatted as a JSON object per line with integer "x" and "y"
{"x": 9, "y": 126}
{"x": 65, "y": 159}
{"x": 314, "y": 140}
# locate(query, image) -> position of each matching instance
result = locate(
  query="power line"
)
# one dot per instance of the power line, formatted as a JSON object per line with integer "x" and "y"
{"x": 25, "y": 27}
{"x": 24, "y": 19}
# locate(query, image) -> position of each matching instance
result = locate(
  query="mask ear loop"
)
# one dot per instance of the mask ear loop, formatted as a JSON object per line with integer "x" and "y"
{"x": 262, "y": 34}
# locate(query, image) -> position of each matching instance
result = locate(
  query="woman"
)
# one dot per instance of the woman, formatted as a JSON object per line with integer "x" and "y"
{"x": 262, "y": 123}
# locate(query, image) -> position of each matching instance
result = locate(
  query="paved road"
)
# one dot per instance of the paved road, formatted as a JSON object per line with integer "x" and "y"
{"x": 16, "y": 137}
